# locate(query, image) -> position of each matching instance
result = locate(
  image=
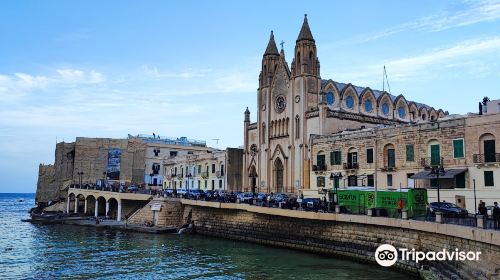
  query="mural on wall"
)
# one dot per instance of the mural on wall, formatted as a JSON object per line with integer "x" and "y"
{"x": 114, "y": 160}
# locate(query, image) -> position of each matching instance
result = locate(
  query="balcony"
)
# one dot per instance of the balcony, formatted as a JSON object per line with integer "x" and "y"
{"x": 204, "y": 175}
{"x": 351, "y": 165}
{"x": 319, "y": 168}
{"x": 179, "y": 176}
{"x": 388, "y": 169}
{"x": 486, "y": 158}
{"x": 218, "y": 174}
{"x": 428, "y": 162}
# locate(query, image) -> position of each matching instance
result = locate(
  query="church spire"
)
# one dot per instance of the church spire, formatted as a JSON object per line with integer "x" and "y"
{"x": 305, "y": 31}
{"x": 271, "y": 46}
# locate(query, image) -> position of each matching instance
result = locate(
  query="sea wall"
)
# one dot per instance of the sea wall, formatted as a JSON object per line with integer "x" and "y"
{"x": 351, "y": 236}
{"x": 169, "y": 215}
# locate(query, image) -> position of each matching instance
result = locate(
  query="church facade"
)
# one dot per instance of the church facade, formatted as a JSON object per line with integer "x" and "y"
{"x": 294, "y": 103}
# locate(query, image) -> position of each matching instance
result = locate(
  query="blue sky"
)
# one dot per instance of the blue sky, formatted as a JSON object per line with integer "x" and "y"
{"x": 190, "y": 68}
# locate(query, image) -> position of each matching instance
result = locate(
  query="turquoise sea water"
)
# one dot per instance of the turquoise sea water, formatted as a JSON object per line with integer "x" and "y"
{"x": 29, "y": 251}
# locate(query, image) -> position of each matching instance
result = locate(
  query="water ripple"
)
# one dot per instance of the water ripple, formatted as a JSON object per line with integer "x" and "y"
{"x": 31, "y": 251}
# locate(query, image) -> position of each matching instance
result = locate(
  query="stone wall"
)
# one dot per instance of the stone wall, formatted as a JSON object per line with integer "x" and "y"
{"x": 53, "y": 178}
{"x": 170, "y": 214}
{"x": 355, "y": 237}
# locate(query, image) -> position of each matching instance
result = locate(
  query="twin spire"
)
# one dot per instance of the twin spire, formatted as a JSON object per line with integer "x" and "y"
{"x": 305, "y": 34}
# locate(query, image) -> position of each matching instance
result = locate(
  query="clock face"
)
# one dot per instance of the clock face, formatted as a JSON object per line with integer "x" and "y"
{"x": 297, "y": 99}
{"x": 280, "y": 103}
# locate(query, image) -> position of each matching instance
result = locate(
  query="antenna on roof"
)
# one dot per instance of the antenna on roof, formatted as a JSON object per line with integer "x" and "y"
{"x": 384, "y": 80}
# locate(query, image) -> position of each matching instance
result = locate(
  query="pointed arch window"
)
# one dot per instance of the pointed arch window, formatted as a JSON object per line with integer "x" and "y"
{"x": 263, "y": 133}
{"x": 297, "y": 127}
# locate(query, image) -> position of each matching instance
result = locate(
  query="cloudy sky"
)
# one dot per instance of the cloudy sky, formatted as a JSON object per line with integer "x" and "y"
{"x": 190, "y": 68}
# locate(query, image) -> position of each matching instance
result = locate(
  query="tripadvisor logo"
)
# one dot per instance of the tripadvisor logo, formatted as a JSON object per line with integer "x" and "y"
{"x": 387, "y": 255}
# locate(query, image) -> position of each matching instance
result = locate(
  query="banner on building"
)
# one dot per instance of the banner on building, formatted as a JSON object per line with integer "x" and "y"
{"x": 114, "y": 160}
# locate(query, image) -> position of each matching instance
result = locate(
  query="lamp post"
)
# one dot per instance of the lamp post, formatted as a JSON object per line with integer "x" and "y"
{"x": 475, "y": 203}
{"x": 436, "y": 171}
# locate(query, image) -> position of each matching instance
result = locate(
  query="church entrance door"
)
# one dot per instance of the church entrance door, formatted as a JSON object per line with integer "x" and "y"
{"x": 278, "y": 169}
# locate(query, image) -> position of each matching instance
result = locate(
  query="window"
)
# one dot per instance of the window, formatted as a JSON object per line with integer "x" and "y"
{"x": 205, "y": 184}
{"x": 385, "y": 109}
{"x": 320, "y": 182}
{"x": 297, "y": 127}
{"x": 435, "y": 155}
{"x": 173, "y": 153}
{"x": 391, "y": 158}
{"x": 330, "y": 99}
{"x": 368, "y": 105}
{"x": 213, "y": 167}
{"x": 199, "y": 168}
{"x": 371, "y": 181}
{"x": 458, "y": 148}
{"x": 213, "y": 185}
{"x": 207, "y": 170}
{"x": 199, "y": 185}
{"x": 369, "y": 155}
{"x": 389, "y": 180}
{"x": 222, "y": 170}
{"x": 349, "y": 102}
{"x": 335, "y": 158}
{"x": 220, "y": 184}
{"x": 489, "y": 151}
{"x": 410, "y": 152}
{"x": 156, "y": 151}
{"x": 402, "y": 112}
{"x": 352, "y": 160}
{"x": 156, "y": 168}
{"x": 320, "y": 162}
{"x": 175, "y": 173}
{"x": 488, "y": 179}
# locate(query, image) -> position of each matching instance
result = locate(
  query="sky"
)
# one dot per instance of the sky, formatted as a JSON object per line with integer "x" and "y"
{"x": 190, "y": 68}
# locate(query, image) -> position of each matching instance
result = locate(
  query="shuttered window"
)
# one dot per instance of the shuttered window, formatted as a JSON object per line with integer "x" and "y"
{"x": 335, "y": 158}
{"x": 410, "y": 152}
{"x": 458, "y": 148}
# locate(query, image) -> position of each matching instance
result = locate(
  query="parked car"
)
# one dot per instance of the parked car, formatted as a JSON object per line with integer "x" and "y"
{"x": 448, "y": 209}
{"x": 279, "y": 197}
{"x": 260, "y": 198}
{"x": 311, "y": 204}
{"x": 195, "y": 194}
{"x": 247, "y": 198}
{"x": 132, "y": 189}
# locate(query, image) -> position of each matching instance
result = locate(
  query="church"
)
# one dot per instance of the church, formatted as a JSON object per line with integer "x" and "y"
{"x": 295, "y": 103}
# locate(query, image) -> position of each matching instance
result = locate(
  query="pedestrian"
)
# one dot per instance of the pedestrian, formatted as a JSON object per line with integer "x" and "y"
{"x": 496, "y": 215}
{"x": 400, "y": 207}
{"x": 483, "y": 210}
{"x": 428, "y": 211}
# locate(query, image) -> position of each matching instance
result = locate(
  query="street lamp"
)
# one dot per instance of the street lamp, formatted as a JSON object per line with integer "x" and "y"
{"x": 475, "y": 203}
{"x": 437, "y": 171}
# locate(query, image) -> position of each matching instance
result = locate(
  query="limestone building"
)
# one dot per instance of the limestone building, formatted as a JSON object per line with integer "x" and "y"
{"x": 463, "y": 148}
{"x": 295, "y": 102}
{"x": 205, "y": 170}
{"x": 131, "y": 160}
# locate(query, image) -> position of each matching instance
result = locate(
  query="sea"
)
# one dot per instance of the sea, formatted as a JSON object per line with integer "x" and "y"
{"x": 34, "y": 251}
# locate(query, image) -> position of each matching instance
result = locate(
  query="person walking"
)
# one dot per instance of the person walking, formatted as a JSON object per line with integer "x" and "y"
{"x": 496, "y": 215}
{"x": 428, "y": 211}
{"x": 400, "y": 207}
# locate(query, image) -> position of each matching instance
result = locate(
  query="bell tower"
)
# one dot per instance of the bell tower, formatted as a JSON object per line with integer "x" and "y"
{"x": 305, "y": 61}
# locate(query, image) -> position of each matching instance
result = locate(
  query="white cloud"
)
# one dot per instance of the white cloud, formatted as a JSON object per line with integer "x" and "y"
{"x": 189, "y": 73}
{"x": 469, "y": 55}
{"x": 18, "y": 85}
{"x": 474, "y": 12}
